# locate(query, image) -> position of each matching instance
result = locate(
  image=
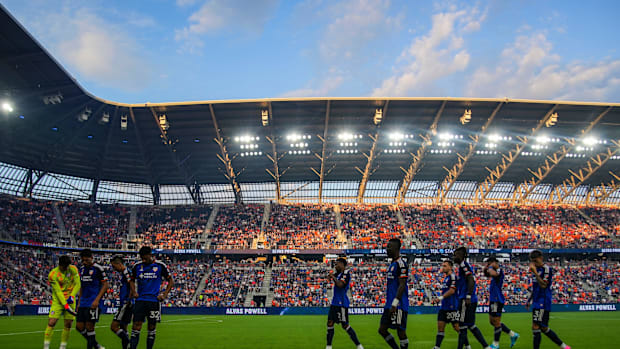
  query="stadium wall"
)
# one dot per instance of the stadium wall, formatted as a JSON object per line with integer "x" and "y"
{"x": 44, "y": 310}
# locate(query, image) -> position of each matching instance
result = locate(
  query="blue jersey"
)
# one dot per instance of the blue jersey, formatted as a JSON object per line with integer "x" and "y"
{"x": 341, "y": 298}
{"x": 461, "y": 282}
{"x": 123, "y": 293}
{"x": 92, "y": 279}
{"x": 452, "y": 302}
{"x": 398, "y": 270}
{"x": 495, "y": 286}
{"x": 148, "y": 279}
{"x": 542, "y": 297}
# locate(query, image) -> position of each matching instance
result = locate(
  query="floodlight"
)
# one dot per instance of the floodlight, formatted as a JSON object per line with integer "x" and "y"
{"x": 7, "y": 107}
{"x": 590, "y": 141}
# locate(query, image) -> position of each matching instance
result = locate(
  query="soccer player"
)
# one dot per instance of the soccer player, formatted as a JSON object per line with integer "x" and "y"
{"x": 468, "y": 301}
{"x": 65, "y": 283}
{"x": 397, "y": 298}
{"x": 94, "y": 285}
{"x": 496, "y": 302}
{"x": 123, "y": 316}
{"x": 541, "y": 299}
{"x": 448, "y": 311}
{"x": 339, "y": 309}
{"x": 146, "y": 279}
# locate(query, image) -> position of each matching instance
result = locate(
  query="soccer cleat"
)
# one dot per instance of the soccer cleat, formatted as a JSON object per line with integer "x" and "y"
{"x": 360, "y": 347}
{"x": 328, "y": 347}
{"x": 493, "y": 346}
{"x": 567, "y": 347}
{"x": 513, "y": 339}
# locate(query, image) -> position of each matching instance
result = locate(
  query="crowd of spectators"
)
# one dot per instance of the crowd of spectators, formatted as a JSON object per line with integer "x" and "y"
{"x": 236, "y": 226}
{"x": 608, "y": 218}
{"x": 300, "y": 284}
{"x": 228, "y": 283}
{"x": 369, "y": 227}
{"x": 435, "y": 226}
{"x": 301, "y": 226}
{"x": 96, "y": 226}
{"x": 30, "y": 221}
{"x": 177, "y": 227}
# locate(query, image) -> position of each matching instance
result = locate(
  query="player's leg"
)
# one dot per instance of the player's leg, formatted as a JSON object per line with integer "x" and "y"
{"x": 462, "y": 325}
{"x": 66, "y": 331}
{"x": 350, "y": 331}
{"x": 93, "y": 318}
{"x": 383, "y": 329}
{"x": 495, "y": 321}
{"x": 136, "y": 327}
{"x": 49, "y": 329}
{"x": 154, "y": 316}
{"x": 330, "y": 333}
{"x": 536, "y": 335}
{"x": 150, "y": 339}
{"x": 471, "y": 324}
{"x": 331, "y": 319}
{"x": 120, "y": 331}
{"x": 441, "y": 327}
{"x": 401, "y": 327}
{"x": 544, "y": 326}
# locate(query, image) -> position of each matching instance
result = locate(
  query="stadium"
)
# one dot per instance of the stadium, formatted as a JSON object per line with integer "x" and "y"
{"x": 250, "y": 203}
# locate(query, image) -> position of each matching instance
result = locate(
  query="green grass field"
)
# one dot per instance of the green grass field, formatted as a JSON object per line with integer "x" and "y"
{"x": 580, "y": 330}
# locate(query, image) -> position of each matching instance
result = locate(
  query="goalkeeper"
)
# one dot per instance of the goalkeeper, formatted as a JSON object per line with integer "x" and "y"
{"x": 65, "y": 283}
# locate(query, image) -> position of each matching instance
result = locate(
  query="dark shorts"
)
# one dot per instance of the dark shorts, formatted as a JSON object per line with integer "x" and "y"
{"x": 449, "y": 316}
{"x": 540, "y": 317}
{"x": 468, "y": 313}
{"x": 147, "y": 310}
{"x": 339, "y": 315}
{"x": 398, "y": 320}
{"x": 496, "y": 309}
{"x": 124, "y": 314}
{"x": 86, "y": 314}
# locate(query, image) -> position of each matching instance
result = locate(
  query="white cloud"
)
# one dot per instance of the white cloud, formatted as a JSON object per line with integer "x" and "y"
{"x": 353, "y": 26}
{"x": 216, "y": 15}
{"x": 98, "y": 50}
{"x": 432, "y": 56}
{"x": 186, "y": 2}
{"x": 528, "y": 68}
{"x": 326, "y": 86}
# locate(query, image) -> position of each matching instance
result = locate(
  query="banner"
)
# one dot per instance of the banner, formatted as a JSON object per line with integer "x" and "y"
{"x": 242, "y": 311}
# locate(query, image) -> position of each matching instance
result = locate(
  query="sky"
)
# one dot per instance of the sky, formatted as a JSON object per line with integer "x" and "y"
{"x": 188, "y": 50}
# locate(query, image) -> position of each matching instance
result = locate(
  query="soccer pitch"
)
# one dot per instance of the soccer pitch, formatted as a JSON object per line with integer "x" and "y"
{"x": 580, "y": 330}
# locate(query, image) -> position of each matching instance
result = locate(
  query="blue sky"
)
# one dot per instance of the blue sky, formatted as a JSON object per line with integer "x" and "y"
{"x": 167, "y": 50}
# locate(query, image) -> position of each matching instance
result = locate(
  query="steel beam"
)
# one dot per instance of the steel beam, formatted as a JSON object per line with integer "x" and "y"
{"x": 551, "y": 162}
{"x": 413, "y": 168}
{"x": 507, "y": 160}
{"x": 323, "y": 156}
{"x": 601, "y": 192}
{"x": 146, "y": 156}
{"x": 188, "y": 177}
{"x": 230, "y": 173}
{"x": 577, "y": 178}
{"x": 372, "y": 154}
{"x": 274, "y": 157}
{"x": 459, "y": 166}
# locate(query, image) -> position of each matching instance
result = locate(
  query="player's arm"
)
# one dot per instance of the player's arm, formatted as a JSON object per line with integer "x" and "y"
{"x": 132, "y": 284}
{"x": 341, "y": 283}
{"x": 451, "y": 291}
{"x": 170, "y": 281}
{"x": 56, "y": 290}
{"x": 541, "y": 282}
{"x": 402, "y": 285}
{"x": 492, "y": 272}
{"x": 104, "y": 287}
{"x": 77, "y": 283}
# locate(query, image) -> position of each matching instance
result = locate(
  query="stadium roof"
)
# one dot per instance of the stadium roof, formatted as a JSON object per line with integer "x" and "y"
{"x": 222, "y": 151}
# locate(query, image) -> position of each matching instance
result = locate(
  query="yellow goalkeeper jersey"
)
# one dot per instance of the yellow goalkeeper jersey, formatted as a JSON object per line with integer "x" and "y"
{"x": 64, "y": 284}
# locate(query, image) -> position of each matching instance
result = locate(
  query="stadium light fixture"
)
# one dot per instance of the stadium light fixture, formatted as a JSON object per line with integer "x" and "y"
{"x": 495, "y": 137}
{"x": 345, "y": 136}
{"x": 7, "y": 107}
{"x": 396, "y": 136}
{"x": 543, "y": 139}
{"x": 590, "y": 141}
{"x": 124, "y": 122}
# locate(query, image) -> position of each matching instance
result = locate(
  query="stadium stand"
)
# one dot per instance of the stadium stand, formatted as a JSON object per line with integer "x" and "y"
{"x": 173, "y": 228}
{"x": 301, "y": 226}
{"x": 31, "y": 221}
{"x": 370, "y": 226}
{"x": 236, "y": 226}
{"x": 96, "y": 226}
